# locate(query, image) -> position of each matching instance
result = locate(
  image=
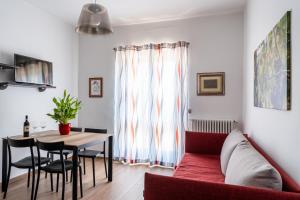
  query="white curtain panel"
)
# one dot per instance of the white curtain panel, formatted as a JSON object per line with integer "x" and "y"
{"x": 151, "y": 103}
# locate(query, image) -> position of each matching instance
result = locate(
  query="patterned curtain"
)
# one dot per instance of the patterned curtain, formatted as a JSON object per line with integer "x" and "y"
{"x": 151, "y": 103}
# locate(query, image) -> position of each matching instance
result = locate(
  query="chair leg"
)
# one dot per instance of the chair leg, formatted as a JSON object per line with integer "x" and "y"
{"x": 63, "y": 186}
{"x": 37, "y": 184}
{"x": 67, "y": 176}
{"x": 66, "y": 157}
{"x": 7, "y": 182}
{"x": 51, "y": 157}
{"x": 84, "y": 165}
{"x": 79, "y": 161}
{"x": 57, "y": 181}
{"x": 104, "y": 155}
{"x": 105, "y": 166}
{"x": 80, "y": 176}
{"x": 71, "y": 176}
{"x": 51, "y": 179}
{"x": 48, "y": 154}
{"x": 33, "y": 183}
{"x": 28, "y": 178}
{"x": 94, "y": 181}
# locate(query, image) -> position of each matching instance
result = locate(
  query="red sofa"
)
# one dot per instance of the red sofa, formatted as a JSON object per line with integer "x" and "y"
{"x": 199, "y": 176}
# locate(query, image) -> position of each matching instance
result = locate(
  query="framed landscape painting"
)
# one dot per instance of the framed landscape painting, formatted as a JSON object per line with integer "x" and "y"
{"x": 272, "y": 68}
{"x": 211, "y": 84}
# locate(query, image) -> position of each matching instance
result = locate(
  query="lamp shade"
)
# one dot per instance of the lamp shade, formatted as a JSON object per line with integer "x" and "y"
{"x": 94, "y": 20}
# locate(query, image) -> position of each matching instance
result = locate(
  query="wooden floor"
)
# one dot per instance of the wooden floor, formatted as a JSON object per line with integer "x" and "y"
{"x": 128, "y": 184}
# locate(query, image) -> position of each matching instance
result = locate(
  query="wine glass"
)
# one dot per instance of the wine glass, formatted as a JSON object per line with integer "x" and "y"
{"x": 34, "y": 126}
{"x": 43, "y": 125}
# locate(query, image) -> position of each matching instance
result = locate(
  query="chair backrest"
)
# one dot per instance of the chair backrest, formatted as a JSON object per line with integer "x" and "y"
{"x": 53, "y": 146}
{"x": 21, "y": 143}
{"x": 76, "y": 129}
{"x": 95, "y": 130}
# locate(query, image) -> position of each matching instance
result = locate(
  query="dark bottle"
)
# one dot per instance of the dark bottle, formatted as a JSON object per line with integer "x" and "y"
{"x": 26, "y": 127}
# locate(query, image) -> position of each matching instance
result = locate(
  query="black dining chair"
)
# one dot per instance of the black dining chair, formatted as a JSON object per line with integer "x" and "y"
{"x": 66, "y": 153}
{"x": 29, "y": 162}
{"x": 76, "y": 129}
{"x": 87, "y": 153}
{"x": 60, "y": 166}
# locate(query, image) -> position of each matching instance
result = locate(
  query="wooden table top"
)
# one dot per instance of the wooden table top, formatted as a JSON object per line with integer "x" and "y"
{"x": 75, "y": 139}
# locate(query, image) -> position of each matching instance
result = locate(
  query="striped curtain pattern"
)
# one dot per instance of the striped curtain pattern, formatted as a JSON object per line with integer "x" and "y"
{"x": 151, "y": 97}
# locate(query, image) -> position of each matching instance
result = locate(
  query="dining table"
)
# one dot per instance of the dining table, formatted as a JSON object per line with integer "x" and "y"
{"x": 74, "y": 141}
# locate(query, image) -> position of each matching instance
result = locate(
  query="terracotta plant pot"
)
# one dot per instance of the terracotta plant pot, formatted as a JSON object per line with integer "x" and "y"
{"x": 64, "y": 129}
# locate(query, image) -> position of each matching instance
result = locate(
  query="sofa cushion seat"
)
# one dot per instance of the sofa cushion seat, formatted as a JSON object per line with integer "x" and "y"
{"x": 200, "y": 167}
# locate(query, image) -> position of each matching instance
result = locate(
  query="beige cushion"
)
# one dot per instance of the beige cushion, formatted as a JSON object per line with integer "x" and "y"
{"x": 232, "y": 140}
{"x": 247, "y": 167}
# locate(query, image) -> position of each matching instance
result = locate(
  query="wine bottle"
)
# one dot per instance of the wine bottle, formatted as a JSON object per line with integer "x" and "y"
{"x": 26, "y": 127}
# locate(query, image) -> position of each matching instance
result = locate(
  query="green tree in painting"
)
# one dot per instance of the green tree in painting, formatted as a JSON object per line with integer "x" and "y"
{"x": 272, "y": 68}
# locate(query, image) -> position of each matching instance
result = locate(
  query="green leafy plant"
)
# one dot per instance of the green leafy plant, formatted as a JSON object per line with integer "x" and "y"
{"x": 66, "y": 108}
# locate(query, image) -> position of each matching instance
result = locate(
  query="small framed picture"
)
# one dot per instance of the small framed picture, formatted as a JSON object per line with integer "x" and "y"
{"x": 211, "y": 84}
{"x": 95, "y": 87}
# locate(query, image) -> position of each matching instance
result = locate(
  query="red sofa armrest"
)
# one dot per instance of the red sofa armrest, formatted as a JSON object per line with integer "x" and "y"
{"x": 159, "y": 187}
{"x": 204, "y": 143}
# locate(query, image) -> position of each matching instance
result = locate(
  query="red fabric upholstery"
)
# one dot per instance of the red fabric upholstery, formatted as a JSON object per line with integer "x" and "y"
{"x": 159, "y": 187}
{"x": 199, "y": 176}
{"x": 200, "y": 168}
{"x": 204, "y": 143}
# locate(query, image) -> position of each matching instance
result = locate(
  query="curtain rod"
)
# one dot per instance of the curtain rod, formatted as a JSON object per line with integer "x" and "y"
{"x": 152, "y": 46}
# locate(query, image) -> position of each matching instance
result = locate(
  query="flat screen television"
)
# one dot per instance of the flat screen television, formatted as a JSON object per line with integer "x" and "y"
{"x": 32, "y": 70}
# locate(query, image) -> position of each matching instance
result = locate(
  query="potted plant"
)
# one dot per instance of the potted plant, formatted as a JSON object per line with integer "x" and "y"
{"x": 66, "y": 109}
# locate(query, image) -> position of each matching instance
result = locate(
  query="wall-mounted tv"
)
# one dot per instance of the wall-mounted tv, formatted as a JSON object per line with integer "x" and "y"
{"x": 31, "y": 70}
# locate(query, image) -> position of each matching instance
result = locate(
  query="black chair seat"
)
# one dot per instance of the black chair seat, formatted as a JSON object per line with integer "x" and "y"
{"x": 92, "y": 154}
{"x": 56, "y": 166}
{"x": 27, "y": 163}
{"x": 65, "y": 152}
{"x": 89, "y": 153}
{"x": 61, "y": 166}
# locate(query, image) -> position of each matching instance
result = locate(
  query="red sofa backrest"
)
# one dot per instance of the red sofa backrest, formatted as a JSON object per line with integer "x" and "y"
{"x": 204, "y": 143}
{"x": 288, "y": 183}
{"x": 211, "y": 143}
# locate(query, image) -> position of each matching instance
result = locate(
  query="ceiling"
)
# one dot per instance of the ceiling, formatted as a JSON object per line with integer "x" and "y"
{"x": 125, "y": 12}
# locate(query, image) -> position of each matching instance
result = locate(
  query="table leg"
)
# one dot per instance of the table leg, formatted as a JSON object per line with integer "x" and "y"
{"x": 74, "y": 173}
{"x": 110, "y": 158}
{"x": 4, "y": 164}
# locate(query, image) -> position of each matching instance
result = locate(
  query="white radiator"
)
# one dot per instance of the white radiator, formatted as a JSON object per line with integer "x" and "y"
{"x": 213, "y": 126}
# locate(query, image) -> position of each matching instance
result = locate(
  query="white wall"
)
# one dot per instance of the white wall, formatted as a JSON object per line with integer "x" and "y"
{"x": 216, "y": 44}
{"x": 276, "y": 131}
{"x": 27, "y": 30}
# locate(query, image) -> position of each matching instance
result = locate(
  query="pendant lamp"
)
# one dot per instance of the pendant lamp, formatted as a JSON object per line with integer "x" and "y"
{"x": 94, "y": 20}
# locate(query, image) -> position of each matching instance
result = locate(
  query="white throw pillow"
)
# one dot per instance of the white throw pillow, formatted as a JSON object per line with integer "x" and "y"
{"x": 232, "y": 140}
{"x": 247, "y": 167}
